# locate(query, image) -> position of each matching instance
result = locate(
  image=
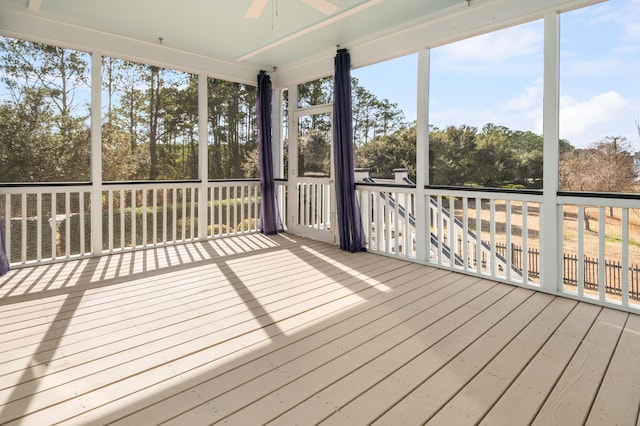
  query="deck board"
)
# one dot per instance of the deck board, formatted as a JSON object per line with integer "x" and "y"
{"x": 254, "y": 329}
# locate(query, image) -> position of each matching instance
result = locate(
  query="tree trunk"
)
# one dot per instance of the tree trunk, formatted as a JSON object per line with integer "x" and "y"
{"x": 587, "y": 225}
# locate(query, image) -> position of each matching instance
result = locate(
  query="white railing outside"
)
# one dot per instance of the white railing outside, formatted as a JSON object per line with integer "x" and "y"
{"x": 53, "y": 222}
{"x": 314, "y": 204}
{"x": 138, "y": 215}
{"x": 475, "y": 232}
{"x": 601, "y": 249}
{"x": 45, "y": 222}
{"x": 493, "y": 234}
{"x": 233, "y": 207}
{"x": 388, "y": 217}
{"x": 282, "y": 195}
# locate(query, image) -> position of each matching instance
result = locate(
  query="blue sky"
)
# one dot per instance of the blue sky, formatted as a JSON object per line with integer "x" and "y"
{"x": 497, "y": 77}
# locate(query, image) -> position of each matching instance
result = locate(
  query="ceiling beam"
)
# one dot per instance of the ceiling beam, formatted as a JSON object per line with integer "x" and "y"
{"x": 34, "y": 5}
{"x": 312, "y": 28}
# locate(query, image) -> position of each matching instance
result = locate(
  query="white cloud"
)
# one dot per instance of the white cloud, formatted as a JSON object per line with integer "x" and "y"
{"x": 530, "y": 98}
{"x": 496, "y": 47}
{"x": 583, "y": 122}
{"x": 624, "y": 14}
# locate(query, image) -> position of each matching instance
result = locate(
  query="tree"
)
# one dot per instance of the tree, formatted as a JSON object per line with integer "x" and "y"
{"x": 46, "y": 135}
{"x": 606, "y": 166}
{"x": 385, "y": 153}
{"x": 452, "y": 155}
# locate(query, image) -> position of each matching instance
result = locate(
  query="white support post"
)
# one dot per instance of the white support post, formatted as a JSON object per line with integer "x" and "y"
{"x": 550, "y": 230}
{"x": 276, "y": 133}
{"x": 293, "y": 158}
{"x": 422, "y": 157}
{"x": 203, "y": 156}
{"x": 96, "y": 154}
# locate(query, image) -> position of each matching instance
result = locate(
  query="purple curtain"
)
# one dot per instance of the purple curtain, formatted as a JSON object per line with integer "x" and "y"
{"x": 349, "y": 219}
{"x": 4, "y": 260}
{"x": 269, "y": 216}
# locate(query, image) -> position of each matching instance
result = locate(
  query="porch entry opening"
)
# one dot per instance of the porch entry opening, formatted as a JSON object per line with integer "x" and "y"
{"x": 315, "y": 203}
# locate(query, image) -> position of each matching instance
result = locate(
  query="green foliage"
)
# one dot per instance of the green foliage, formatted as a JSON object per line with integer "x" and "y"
{"x": 461, "y": 156}
{"x": 45, "y": 128}
{"x": 246, "y": 225}
{"x": 386, "y": 153}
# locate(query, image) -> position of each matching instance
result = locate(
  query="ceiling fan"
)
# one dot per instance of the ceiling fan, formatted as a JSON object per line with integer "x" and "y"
{"x": 323, "y": 6}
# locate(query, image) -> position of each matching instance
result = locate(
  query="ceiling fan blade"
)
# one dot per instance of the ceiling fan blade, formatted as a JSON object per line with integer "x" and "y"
{"x": 256, "y": 9}
{"x": 322, "y": 6}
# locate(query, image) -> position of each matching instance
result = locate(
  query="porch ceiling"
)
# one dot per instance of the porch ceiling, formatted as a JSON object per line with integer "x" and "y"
{"x": 285, "y": 32}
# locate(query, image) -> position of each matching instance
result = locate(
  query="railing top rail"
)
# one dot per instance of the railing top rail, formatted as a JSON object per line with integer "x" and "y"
{"x": 487, "y": 194}
{"x": 483, "y": 189}
{"x": 150, "y": 182}
{"x": 323, "y": 179}
{"x": 46, "y": 189}
{"x": 374, "y": 186}
{"x": 599, "y": 199}
{"x": 240, "y": 180}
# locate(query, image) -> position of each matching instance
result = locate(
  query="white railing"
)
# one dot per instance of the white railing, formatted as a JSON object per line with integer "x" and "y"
{"x": 493, "y": 234}
{"x": 388, "y": 217}
{"x": 54, "y": 222}
{"x": 601, "y": 248}
{"x": 497, "y": 234}
{"x": 475, "y": 232}
{"x": 282, "y": 195}
{"x": 314, "y": 204}
{"x": 233, "y": 207}
{"x": 138, "y": 215}
{"x": 45, "y": 222}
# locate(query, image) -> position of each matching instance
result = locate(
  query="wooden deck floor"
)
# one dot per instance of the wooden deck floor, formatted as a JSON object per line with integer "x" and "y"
{"x": 256, "y": 329}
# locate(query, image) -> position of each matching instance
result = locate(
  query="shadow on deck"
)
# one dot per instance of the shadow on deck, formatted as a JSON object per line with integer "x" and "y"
{"x": 254, "y": 329}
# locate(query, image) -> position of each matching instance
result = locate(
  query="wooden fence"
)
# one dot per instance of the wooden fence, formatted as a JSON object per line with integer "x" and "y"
{"x": 612, "y": 270}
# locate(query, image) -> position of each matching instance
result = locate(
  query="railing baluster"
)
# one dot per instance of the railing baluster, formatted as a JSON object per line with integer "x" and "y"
{"x": 183, "y": 212}
{"x": 408, "y": 246}
{"x": 174, "y": 214}
{"x": 525, "y": 243}
{"x": 508, "y": 253}
{"x": 465, "y": 232}
{"x": 110, "y": 220}
{"x": 429, "y": 220}
{"x": 453, "y": 241}
{"x": 194, "y": 195}
{"x": 242, "y": 215}
{"x": 82, "y": 226}
{"x": 123, "y": 241}
{"x": 396, "y": 223}
{"x": 601, "y": 247}
{"x": 478, "y": 235}
{"x": 23, "y": 227}
{"x": 215, "y": 210}
{"x": 145, "y": 209}
{"x": 228, "y": 201}
{"x": 625, "y": 257}
{"x": 378, "y": 222}
{"x": 492, "y": 237}
{"x": 155, "y": 217}
{"x": 164, "y": 215}
{"x": 580, "y": 226}
{"x": 54, "y": 226}
{"x": 134, "y": 230}
{"x": 67, "y": 221}
{"x": 38, "y": 227}
{"x": 7, "y": 224}
{"x": 440, "y": 222}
